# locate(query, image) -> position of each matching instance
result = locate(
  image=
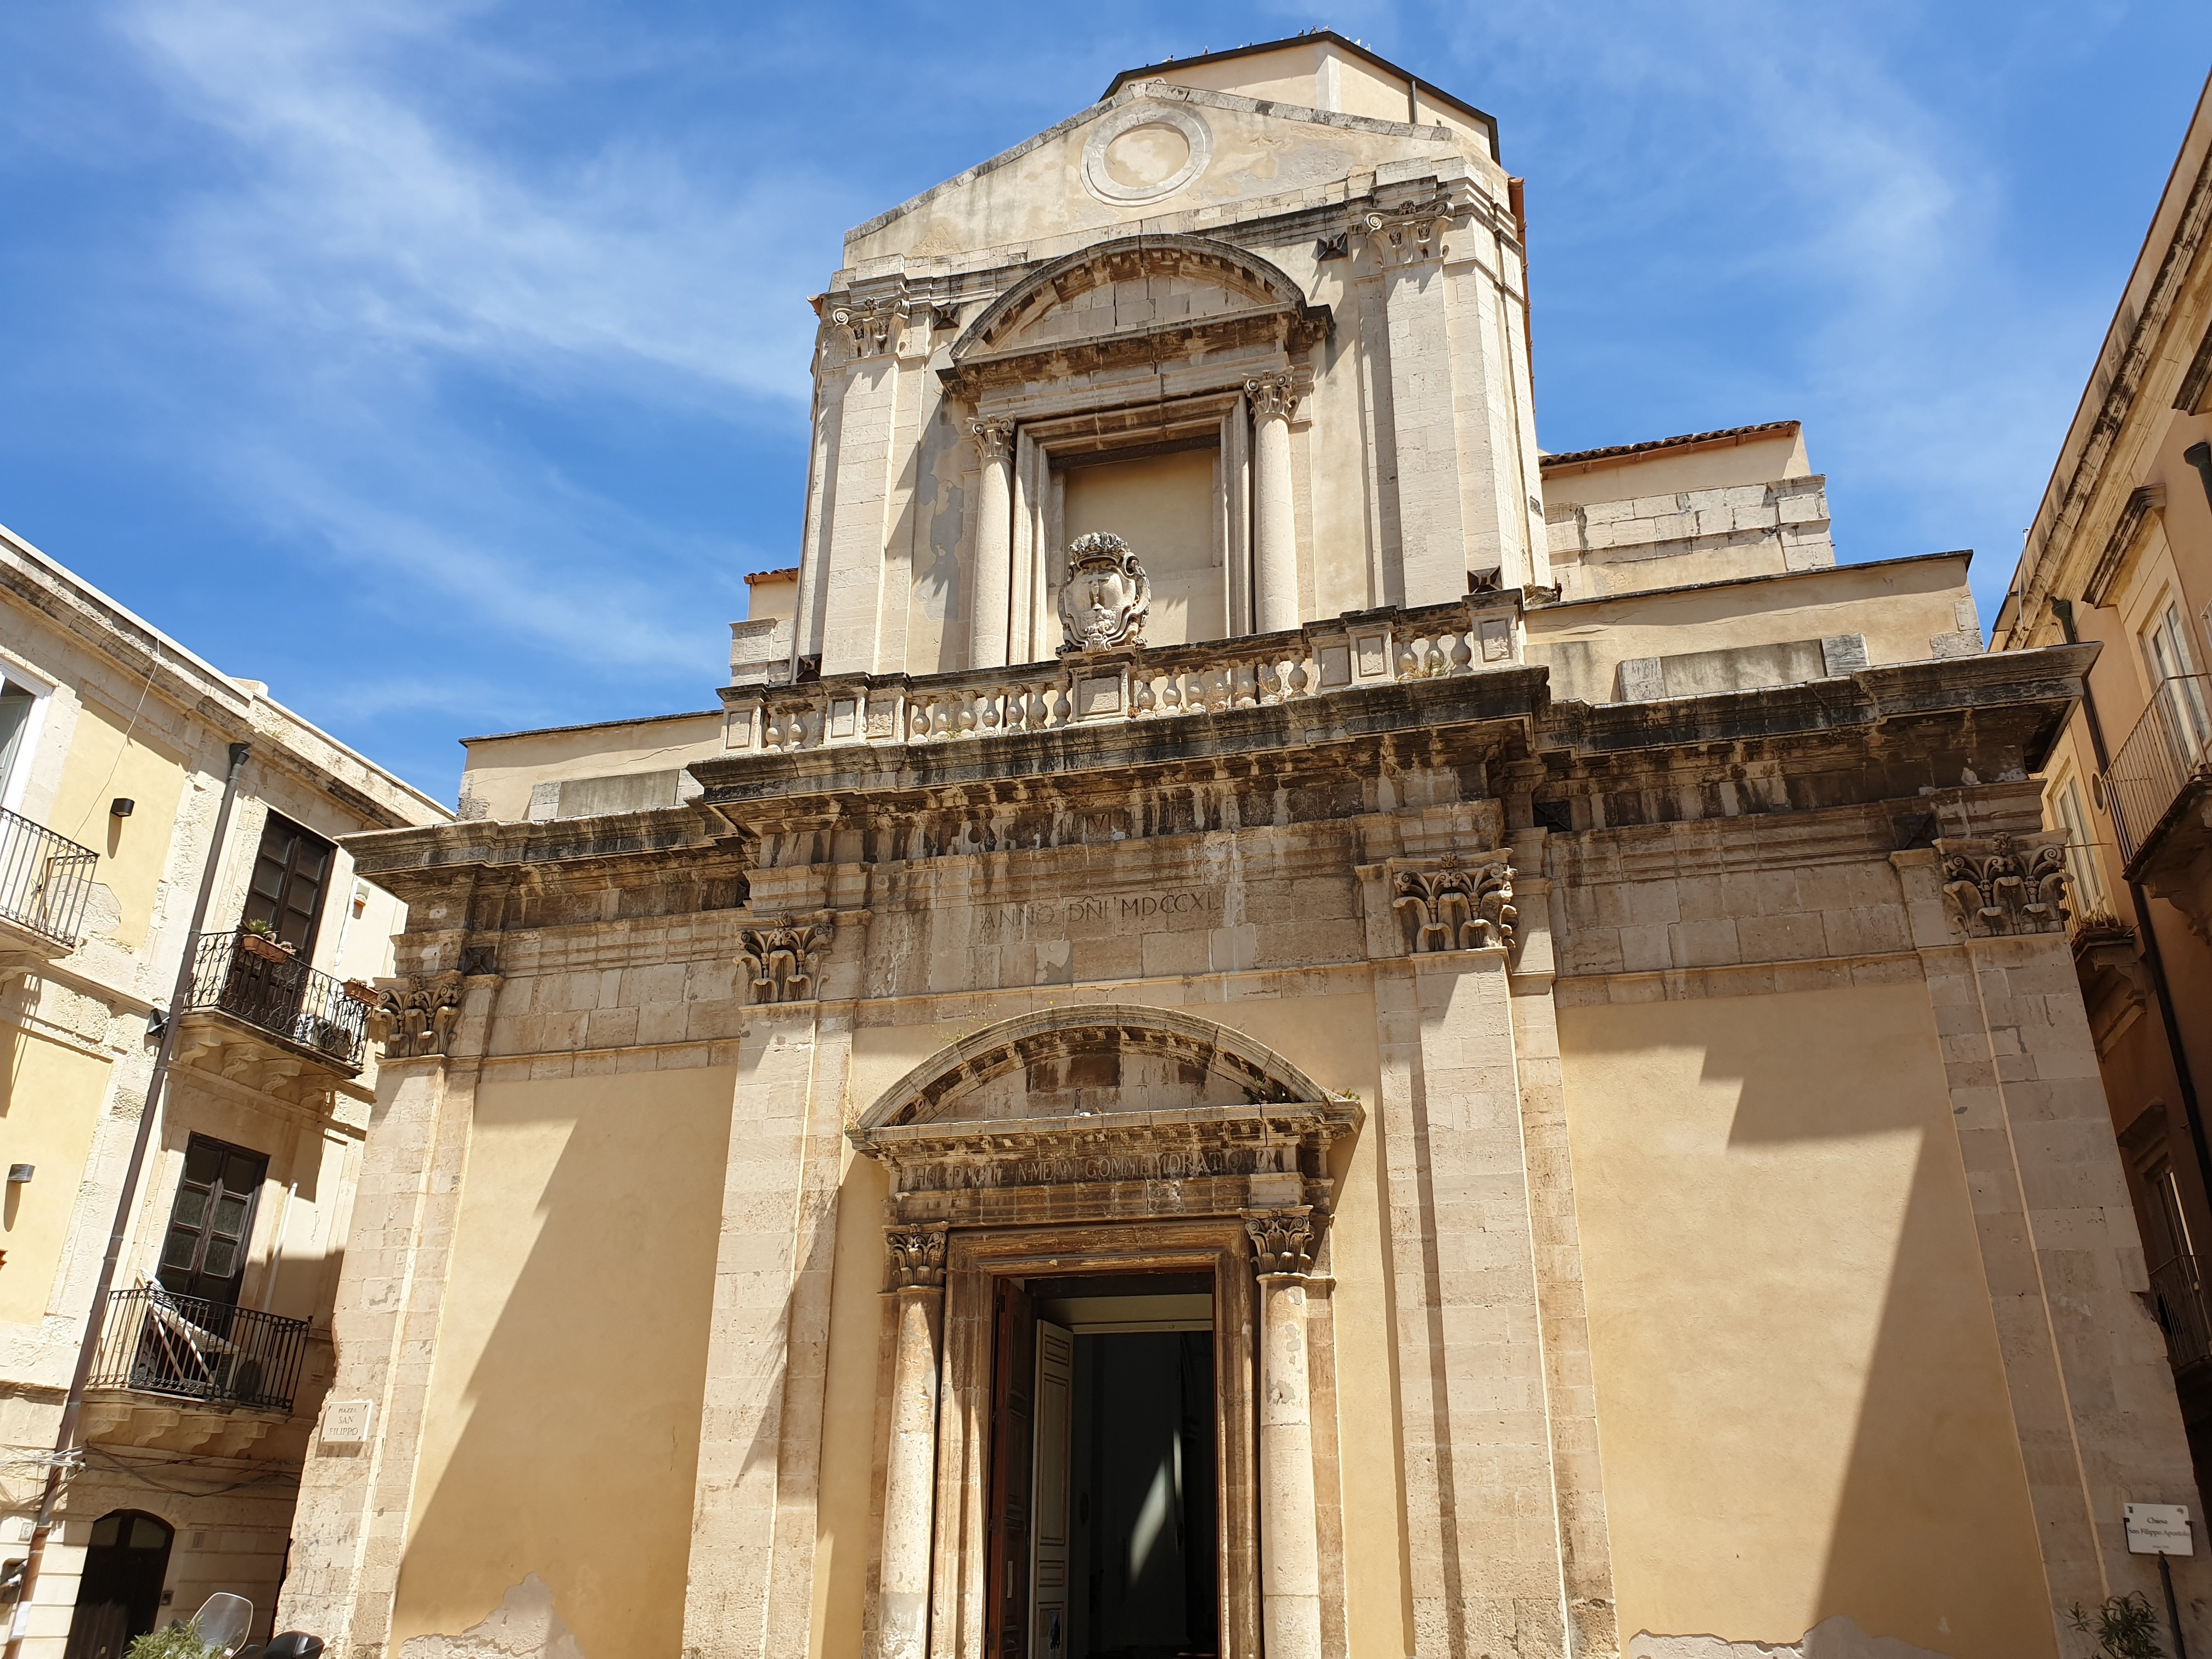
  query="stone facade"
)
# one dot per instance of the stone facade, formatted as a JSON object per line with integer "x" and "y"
{"x": 1569, "y": 1060}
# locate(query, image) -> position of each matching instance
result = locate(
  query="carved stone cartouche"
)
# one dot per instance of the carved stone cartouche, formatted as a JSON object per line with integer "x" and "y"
{"x": 1106, "y": 597}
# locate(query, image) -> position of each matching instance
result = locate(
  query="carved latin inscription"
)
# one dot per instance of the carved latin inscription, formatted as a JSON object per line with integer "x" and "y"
{"x": 1999, "y": 886}
{"x": 416, "y": 1017}
{"x": 1455, "y": 908}
{"x": 1282, "y": 1241}
{"x": 786, "y": 958}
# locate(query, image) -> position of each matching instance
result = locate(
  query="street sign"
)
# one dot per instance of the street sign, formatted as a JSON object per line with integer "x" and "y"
{"x": 2158, "y": 1530}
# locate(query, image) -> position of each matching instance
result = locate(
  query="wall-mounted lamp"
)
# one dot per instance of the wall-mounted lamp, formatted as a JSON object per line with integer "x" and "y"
{"x": 121, "y": 807}
{"x": 19, "y": 1174}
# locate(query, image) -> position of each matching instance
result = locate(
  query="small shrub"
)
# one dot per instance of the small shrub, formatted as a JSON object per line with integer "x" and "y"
{"x": 178, "y": 1641}
{"x": 2125, "y": 1626}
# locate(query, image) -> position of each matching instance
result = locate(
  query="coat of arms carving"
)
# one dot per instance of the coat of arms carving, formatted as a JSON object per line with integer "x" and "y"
{"x": 1107, "y": 595}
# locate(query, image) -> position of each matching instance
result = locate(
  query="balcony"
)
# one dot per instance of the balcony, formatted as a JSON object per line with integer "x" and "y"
{"x": 44, "y": 879}
{"x": 2159, "y": 790}
{"x": 186, "y": 1347}
{"x": 258, "y": 1016}
{"x": 1114, "y": 685}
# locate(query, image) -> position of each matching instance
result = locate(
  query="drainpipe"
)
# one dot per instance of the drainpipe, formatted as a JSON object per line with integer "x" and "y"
{"x": 2154, "y": 961}
{"x": 2200, "y": 457}
{"x": 88, "y": 1350}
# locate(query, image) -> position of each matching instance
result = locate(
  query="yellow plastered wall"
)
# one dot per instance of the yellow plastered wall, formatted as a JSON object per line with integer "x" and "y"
{"x": 104, "y": 763}
{"x": 49, "y": 1101}
{"x": 1801, "y": 1407}
{"x": 561, "y": 1432}
{"x": 1164, "y": 507}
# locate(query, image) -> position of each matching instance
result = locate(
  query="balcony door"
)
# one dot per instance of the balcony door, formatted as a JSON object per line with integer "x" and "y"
{"x": 2167, "y": 654}
{"x": 203, "y": 1252}
{"x": 290, "y": 872}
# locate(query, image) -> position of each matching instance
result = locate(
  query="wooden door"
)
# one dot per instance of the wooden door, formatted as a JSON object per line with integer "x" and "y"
{"x": 211, "y": 1220}
{"x": 1013, "y": 1366}
{"x": 1055, "y": 1386}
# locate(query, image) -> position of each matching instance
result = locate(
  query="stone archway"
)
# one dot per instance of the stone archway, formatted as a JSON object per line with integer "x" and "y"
{"x": 1088, "y": 1140}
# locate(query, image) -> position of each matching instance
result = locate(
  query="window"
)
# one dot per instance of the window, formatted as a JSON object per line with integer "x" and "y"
{"x": 19, "y": 730}
{"x": 2081, "y": 856}
{"x": 2166, "y": 654}
{"x": 289, "y": 874}
{"x": 203, "y": 1253}
{"x": 2176, "y": 1291}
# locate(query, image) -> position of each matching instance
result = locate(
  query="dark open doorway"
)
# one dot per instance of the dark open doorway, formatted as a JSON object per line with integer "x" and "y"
{"x": 120, "y": 1596}
{"x": 1105, "y": 1506}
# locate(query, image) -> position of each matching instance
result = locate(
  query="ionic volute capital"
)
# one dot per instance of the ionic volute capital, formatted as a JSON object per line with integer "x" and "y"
{"x": 1410, "y": 231}
{"x": 870, "y": 325}
{"x": 1283, "y": 1241}
{"x": 916, "y": 1258}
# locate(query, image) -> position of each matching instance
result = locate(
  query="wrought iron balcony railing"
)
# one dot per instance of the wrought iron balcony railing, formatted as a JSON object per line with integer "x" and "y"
{"x": 251, "y": 978}
{"x": 2169, "y": 750}
{"x": 190, "y": 1348}
{"x": 44, "y": 879}
{"x": 2176, "y": 1291}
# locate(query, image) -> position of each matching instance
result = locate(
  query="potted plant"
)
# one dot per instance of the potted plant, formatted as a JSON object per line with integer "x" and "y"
{"x": 258, "y": 939}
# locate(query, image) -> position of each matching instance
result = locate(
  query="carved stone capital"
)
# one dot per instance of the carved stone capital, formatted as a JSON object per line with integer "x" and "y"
{"x": 1273, "y": 395}
{"x": 917, "y": 1258}
{"x": 415, "y": 1017}
{"x": 1283, "y": 1241}
{"x": 2003, "y": 886}
{"x": 870, "y": 325}
{"x": 994, "y": 439}
{"x": 1453, "y": 906}
{"x": 1410, "y": 231}
{"x": 784, "y": 957}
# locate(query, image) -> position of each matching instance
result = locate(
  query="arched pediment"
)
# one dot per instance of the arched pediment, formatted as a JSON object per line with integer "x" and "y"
{"x": 1138, "y": 287}
{"x": 1106, "y": 1059}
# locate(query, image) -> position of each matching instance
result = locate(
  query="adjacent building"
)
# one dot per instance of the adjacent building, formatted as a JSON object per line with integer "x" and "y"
{"x": 115, "y": 744}
{"x": 1261, "y": 1020}
{"x": 2120, "y": 556}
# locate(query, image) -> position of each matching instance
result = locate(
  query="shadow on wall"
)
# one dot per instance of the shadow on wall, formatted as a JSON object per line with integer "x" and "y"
{"x": 1935, "y": 1436}
{"x": 561, "y": 1434}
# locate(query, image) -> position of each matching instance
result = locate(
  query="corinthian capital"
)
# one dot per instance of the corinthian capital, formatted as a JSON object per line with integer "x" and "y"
{"x": 993, "y": 438}
{"x": 415, "y": 1017}
{"x": 917, "y": 1258}
{"x": 1282, "y": 1241}
{"x": 1273, "y": 395}
{"x": 1410, "y": 231}
{"x": 784, "y": 958}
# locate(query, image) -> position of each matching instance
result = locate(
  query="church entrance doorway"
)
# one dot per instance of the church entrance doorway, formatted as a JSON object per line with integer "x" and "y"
{"x": 1105, "y": 1420}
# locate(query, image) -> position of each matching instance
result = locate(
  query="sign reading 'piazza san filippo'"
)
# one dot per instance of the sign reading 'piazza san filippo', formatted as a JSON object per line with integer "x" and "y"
{"x": 1263, "y": 1023}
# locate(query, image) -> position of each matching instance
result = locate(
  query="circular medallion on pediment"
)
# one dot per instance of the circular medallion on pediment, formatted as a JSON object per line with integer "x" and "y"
{"x": 1144, "y": 153}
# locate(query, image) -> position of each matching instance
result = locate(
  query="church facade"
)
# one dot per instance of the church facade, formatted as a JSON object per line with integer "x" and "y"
{"x": 1265, "y": 1022}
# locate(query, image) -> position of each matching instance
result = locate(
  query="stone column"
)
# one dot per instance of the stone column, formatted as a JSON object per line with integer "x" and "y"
{"x": 1274, "y": 521}
{"x": 994, "y": 570}
{"x": 910, "y": 1466}
{"x": 1290, "y": 1533}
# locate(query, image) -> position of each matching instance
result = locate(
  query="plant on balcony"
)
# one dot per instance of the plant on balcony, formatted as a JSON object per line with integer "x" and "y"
{"x": 180, "y": 1641}
{"x": 258, "y": 939}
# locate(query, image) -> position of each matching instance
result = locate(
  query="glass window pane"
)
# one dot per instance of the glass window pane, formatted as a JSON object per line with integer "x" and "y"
{"x": 242, "y": 1174}
{"x": 191, "y": 1207}
{"x": 221, "y": 1258}
{"x": 147, "y": 1533}
{"x": 106, "y": 1530}
{"x": 177, "y": 1250}
{"x": 202, "y": 1159}
{"x": 229, "y": 1215}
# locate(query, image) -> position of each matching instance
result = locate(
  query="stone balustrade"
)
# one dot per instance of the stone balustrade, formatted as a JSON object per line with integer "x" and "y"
{"x": 1085, "y": 688}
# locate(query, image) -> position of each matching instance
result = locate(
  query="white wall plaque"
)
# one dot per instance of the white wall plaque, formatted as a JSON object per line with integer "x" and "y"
{"x": 345, "y": 1422}
{"x": 2158, "y": 1530}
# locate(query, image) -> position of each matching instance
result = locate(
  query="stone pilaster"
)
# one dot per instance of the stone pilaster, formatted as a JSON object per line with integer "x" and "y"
{"x": 350, "y": 1531}
{"x": 2092, "y": 1399}
{"x": 910, "y": 1464}
{"x": 1283, "y": 1242}
{"x": 1481, "y": 1507}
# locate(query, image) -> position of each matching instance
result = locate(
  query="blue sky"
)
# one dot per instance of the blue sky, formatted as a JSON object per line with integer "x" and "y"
{"x": 445, "y": 366}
